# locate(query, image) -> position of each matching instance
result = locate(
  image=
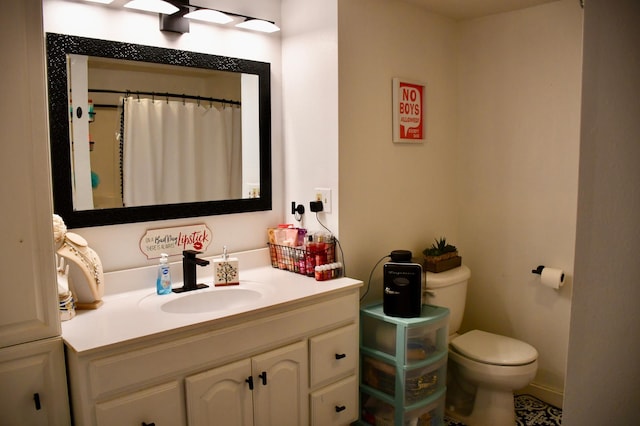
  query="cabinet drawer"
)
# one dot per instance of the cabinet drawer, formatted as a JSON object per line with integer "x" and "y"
{"x": 333, "y": 354}
{"x": 336, "y": 404}
{"x": 162, "y": 405}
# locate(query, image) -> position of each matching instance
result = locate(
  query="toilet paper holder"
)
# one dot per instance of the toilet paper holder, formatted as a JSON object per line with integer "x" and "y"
{"x": 539, "y": 269}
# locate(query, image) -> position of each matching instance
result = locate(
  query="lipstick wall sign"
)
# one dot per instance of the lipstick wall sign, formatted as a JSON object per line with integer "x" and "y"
{"x": 174, "y": 240}
{"x": 408, "y": 111}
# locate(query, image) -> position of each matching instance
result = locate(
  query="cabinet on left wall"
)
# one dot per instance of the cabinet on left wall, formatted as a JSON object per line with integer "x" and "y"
{"x": 32, "y": 369}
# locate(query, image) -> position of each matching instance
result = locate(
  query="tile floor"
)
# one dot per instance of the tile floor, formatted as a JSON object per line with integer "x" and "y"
{"x": 530, "y": 411}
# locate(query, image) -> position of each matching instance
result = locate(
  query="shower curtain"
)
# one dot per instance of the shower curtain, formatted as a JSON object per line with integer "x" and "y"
{"x": 179, "y": 152}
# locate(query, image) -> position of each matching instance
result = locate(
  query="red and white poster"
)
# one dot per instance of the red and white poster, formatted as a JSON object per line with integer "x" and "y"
{"x": 408, "y": 111}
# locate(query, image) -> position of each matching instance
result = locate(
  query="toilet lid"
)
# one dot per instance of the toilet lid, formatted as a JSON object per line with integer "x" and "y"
{"x": 494, "y": 349}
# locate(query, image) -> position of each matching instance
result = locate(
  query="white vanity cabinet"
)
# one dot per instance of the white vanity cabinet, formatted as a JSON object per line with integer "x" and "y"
{"x": 334, "y": 365}
{"x": 336, "y": 404}
{"x": 221, "y": 393}
{"x": 301, "y": 356}
{"x": 156, "y": 405}
{"x": 269, "y": 389}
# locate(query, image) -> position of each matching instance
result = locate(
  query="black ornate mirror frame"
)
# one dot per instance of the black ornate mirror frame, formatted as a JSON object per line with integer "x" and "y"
{"x": 59, "y": 45}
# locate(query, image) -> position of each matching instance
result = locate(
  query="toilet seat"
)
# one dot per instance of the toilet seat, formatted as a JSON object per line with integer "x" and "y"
{"x": 489, "y": 348}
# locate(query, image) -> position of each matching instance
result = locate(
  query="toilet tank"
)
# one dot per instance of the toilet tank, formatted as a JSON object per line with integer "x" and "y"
{"x": 448, "y": 289}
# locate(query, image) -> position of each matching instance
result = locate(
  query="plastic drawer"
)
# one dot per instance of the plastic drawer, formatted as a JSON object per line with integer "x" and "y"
{"x": 376, "y": 412}
{"x": 420, "y": 338}
{"x": 418, "y": 383}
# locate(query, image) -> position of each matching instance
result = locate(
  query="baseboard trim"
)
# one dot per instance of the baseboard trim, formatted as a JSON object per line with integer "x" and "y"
{"x": 547, "y": 394}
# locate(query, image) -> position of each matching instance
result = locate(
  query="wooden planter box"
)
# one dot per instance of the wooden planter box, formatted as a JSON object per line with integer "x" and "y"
{"x": 442, "y": 263}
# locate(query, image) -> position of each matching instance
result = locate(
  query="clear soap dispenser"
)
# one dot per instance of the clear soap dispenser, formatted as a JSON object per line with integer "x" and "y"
{"x": 163, "y": 282}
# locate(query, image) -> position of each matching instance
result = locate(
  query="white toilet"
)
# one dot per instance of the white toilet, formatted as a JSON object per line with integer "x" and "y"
{"x": 484, "y": 368}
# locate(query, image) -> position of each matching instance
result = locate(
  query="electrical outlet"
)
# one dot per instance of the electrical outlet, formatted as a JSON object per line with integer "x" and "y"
{"x": 324, "y": 195}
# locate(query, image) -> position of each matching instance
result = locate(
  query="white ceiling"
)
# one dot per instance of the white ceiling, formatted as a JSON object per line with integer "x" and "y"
{"x": 465, "y": 9}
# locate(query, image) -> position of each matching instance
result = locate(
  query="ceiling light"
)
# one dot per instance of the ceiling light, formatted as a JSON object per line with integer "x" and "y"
{"x": 101, "y": 1}
{"x": 209, "y": 15}
{"x": 258, "y": 25}
{"x": 157, "y": 6}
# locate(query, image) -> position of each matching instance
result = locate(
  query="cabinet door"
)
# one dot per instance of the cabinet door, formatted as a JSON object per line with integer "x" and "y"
{"x": 221, "y": 396}
{"x": 33, "y": 387}
{"x": 28, "y": 283}
{"x": 336, "y": 404}
{"x": 160, "y": 405}
{"x": 280, "y": 396}
{"x": 333, "y": 354}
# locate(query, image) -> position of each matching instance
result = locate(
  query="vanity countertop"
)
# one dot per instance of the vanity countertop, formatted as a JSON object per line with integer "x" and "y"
{"x": 130, "y": 315}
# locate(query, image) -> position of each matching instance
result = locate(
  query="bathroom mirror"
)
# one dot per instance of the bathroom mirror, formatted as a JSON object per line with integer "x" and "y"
{"x": 93, "y": 84}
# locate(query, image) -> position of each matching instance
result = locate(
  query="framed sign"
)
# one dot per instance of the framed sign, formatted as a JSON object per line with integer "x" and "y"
{"x": 408, "y": 111}
{"x": 173, "y": 241}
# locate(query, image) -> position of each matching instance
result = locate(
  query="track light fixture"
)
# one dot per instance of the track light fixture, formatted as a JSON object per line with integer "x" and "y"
{"x": 209, "y": 15}
{"x": 258, "y": 25}
{"x": 175, "y": 15}
{"x": 157, "y": 6}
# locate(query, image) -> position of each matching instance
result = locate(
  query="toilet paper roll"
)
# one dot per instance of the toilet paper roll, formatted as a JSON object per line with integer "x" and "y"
{"x": 552, "y": 277}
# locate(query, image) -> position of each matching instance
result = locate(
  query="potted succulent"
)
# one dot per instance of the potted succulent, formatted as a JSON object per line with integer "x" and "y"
{"x": 441, "y": 256}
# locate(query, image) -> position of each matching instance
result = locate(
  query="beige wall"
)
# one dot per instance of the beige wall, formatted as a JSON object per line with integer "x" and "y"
{"x": 498, "y": 173}
{"x": 105, "y": 157}
{"x": 310, "y": 107}
{"x": 394, "y": 196}
{"x": 519, "y": 113}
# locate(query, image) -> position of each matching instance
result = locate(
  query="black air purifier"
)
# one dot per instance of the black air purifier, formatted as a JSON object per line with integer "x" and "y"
{"x": 402, "y": 286}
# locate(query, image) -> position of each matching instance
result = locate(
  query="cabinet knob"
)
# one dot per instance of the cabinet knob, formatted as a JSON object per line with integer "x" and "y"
{"x": 148, "y": 424}
{"x": 250, "y": 381}
{"x": 340, "y": 408}
{"x": 340, "y": 356}
{"x": 36, "y": 400}
{"x": 263, "y": 376}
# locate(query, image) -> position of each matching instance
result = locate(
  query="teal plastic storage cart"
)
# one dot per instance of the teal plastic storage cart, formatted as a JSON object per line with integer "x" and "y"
{"x": 403, "y": 367}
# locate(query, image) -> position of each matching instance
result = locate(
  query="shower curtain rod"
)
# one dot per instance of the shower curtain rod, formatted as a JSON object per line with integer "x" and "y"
{"x": 166, "y": 95}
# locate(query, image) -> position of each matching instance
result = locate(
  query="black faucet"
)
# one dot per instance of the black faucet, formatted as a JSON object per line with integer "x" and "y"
{"x": 189, "y": 262}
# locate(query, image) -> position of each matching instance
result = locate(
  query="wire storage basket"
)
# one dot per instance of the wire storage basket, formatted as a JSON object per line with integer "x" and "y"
{"x": 301, "y": 260}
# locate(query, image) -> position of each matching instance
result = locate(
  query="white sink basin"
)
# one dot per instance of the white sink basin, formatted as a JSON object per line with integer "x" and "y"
{"x": 209, "y": 301}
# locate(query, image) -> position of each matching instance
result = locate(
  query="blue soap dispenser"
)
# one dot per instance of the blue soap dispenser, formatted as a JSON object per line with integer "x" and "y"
{"x": 163, "y": 282}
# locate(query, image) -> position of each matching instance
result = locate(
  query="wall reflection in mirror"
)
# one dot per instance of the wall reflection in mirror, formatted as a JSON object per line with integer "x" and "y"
{"x": 154, "y": 133}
